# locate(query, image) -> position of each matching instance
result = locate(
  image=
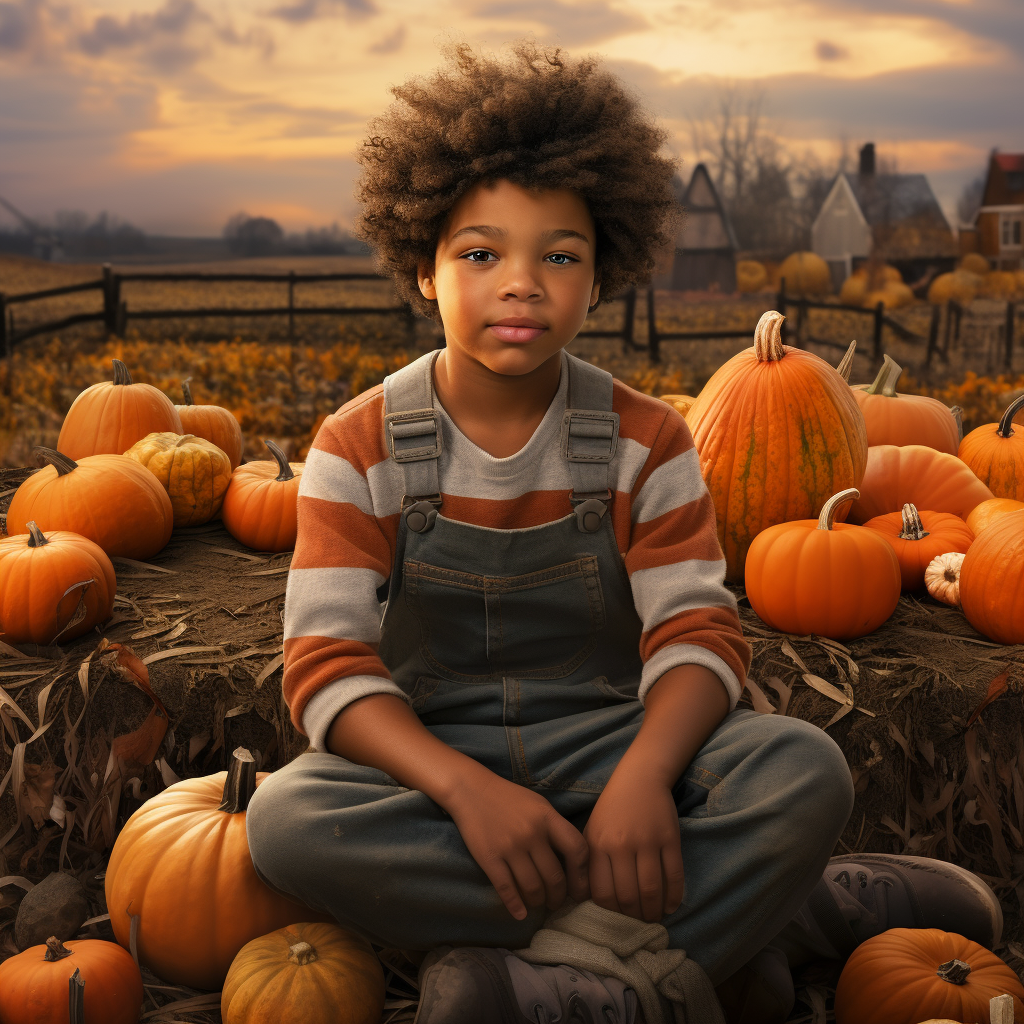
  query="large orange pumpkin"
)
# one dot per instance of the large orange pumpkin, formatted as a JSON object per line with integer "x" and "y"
{"x": 213, "y": 422}
{"x": 904, "y": 419}
{"x": 109, "y": 417}
{"x": 917, "y": 474}
{"x": 110, "y": 499}
{"x": 989, "y": 511}
{"x": 992, "y": 581}
{"x": 906, "y": 975}
{"x": 819, "y": 576}
{"x": 182, "y": 863}
{"x": 53, "y": 586}
{"x": 995, "y": 451}
{"x": 260, "y": 507}
{"x": 778, "y": 432}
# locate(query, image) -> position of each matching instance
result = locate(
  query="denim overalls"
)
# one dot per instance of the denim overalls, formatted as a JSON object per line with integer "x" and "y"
{"x": 520, "y": 648}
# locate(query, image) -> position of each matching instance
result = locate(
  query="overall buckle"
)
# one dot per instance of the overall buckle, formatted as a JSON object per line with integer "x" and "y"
{"x": 420, "y": 513}
{"x": 590, "y": 509}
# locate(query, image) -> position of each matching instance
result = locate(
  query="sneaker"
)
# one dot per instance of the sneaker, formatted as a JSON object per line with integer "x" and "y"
{"x": 760, "y": 992}
{"x": 864, "y": 894}
{"x": 474, "y": 984}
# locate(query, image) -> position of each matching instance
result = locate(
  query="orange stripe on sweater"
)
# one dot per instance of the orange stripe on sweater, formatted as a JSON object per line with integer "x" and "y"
{"x": 676, "y": 536}
{"x": 715, "y": 628}
{"x": 338, "y": 534}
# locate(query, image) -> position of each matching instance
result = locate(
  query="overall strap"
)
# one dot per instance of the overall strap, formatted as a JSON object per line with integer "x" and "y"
{"x": 412, "y": 433}
{"x": 590, "y": 433}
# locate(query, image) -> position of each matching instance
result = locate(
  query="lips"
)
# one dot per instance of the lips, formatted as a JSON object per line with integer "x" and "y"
{"x": 517, "y": 334}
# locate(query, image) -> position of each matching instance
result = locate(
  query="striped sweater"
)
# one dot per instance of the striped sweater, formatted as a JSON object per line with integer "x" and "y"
{"x": 348, "y": 513}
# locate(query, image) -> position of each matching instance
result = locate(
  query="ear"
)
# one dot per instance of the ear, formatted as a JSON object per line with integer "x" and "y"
{"x": 595, "y": 291}
{"x": 425, "y": 279}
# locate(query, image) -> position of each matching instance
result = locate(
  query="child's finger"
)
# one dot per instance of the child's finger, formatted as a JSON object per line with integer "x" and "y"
{"x": 627, "y": 891}
{"x": 550, "y": 870}
{"x": 602, "y": 885}
{"x": 527, "y": 879}
{"x": 650, "y": 883}
{"x": 675, "y": 878}
{"x": 504, "y": 884}
{"x": 575, "y": 852}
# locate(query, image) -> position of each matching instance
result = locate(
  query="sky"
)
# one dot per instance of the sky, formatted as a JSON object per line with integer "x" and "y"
{"x": 176, "y": 114}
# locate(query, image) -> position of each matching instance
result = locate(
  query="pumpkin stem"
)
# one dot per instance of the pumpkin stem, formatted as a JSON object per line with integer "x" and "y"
{"x": 76, "y": 998}
{"x": 240, "y": 784}
{"x": 954, "y": 971}
{"x": 187, "y": 391}
{"x": 56, "y": 950}
{"x": 121, "y": 373}
{"x": 885, "y": 382}
{"x": 36, "y": 537}
{"x": 282, "y": 462}
{"x": 184, "y": 439}
{"x": 828, "y": 510}
{"x": 302, "y": 953}
{"x": 958, "y": 415}
{"x": 768, "y": 337}
{"x": 1006, "y": 422}
{"x": 60, "y": 462}
{"x": 913, "y": 528}
{"x": 846, "y": 363}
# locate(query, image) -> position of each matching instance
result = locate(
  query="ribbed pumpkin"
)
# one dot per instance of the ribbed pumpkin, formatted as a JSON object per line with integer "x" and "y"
{"x": 213, "y": 422}
{"x": 942, "y": 577}
{"x": 992, "y": 581}
{"x": 194, "y": 472}
{"x": 819, "y": 576}
{"x": 778, "y": 432}
{"x": 805, "y": 273}
{"x": 915, "y": 473}
{"x": 182, "y": 863}
{"x": 110, "y": 499}
{"x": 751, "y": 276}
{"x": 304, "y": 974}
{"x": 86, "y": 981}
{"x": 989, "y": 511}
{"x": 891, "y": 418}
{"x": 260, "y": 506}
{"x": 906, "y": 975}
{"x": 109, "y": 417}
{"x": 918, "y": 537}
{"x": 53, "y": 586}
{"x": 995, "y": 451}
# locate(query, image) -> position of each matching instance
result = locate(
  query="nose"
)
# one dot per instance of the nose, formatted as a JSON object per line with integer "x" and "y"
{"x": 519, "y": 281}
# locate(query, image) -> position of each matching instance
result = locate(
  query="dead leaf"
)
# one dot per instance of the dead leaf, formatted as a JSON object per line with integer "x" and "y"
{"x": 757, "y": 698}
{"x": 37, "y": 792}
{"x": 80, "y": 611}
{"x": 995, "y": 690}
{"x": 141, "y": 746}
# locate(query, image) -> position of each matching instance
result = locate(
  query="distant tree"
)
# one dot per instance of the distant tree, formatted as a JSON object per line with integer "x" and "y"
{"x": 969, "y": 203}
{"x": 107, "y": 235}
{"x": 252, "y": 236}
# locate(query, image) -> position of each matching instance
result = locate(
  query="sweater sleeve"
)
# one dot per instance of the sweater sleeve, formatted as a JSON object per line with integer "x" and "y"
{"x": 676, "y": 568}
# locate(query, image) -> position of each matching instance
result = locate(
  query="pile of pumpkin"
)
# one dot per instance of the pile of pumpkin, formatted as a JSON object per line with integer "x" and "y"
{"x": 129, "y": 468}
{"x": 975, "y": 278}
{"x": 831, "y": 500}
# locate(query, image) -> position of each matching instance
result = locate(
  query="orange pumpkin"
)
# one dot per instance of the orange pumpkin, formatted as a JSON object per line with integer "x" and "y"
{"x": 53, "y": 586}
{"x": 109, "y": 417}
{"x": 995, "y": 451}
{"x": 110, "y": 499}
{"x": 213, "y": 422}
{"x": 819, "y": 576}
{"x": 904, "y": 419}
{"x": 905, "y": 975}
{"x": 89, "y": 981}
{"x": 189, "y": 840}
{"x": 260, "y": 507}
{"x": 778, "y": 432}
{"x": 918, "y": 537}
{"x": 989, "y": 511}
{"x": 917, "y": 474}
{"x": 992, "y": 581}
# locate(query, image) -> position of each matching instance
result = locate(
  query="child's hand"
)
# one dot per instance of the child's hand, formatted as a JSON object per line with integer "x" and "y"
{"x": 515, "y": 835}
{"x": 636, "y": 861}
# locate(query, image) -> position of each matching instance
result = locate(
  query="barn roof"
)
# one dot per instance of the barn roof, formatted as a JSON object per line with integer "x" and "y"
{"x": 1010, "y": 161}
{"x": 706, "y": 226}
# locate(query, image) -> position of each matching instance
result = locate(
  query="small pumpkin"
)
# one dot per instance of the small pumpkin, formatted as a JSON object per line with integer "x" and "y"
{"x": 904, "y": 975}
{"x": 918, "y": 537}
{"x": 806, "y": 273}
{"x": 190, "y": 838}
{"x": 110, "y": 499}
{"x": 305, "y": 973}
{"x": 213, "y": 422}
{"x": 942, "y": 577}
{"x": 86, "y": 981}
{"x": 681, "y": 403}
{"x": 53, "y": 586}
{"x": 992, "y": 581}
{"x": 751, "y": 276}
{"x": 260, "y": 506}
{"x": 989, "y": 511}
{"x": 959, "y": 285}
{"x": 818, "y": 576}
{"x": 975, "y": 263}
{"x": 904, "y": 419}
{"x": 109, "y": 417}
{"x": 995, "y": 451}
{"x": 194, "y": 472}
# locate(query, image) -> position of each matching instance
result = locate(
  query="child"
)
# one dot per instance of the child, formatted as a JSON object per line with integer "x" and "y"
{"x": 507, "y": 635}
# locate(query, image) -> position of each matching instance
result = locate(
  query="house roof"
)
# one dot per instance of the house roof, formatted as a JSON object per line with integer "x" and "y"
{"x": 1010, "y": 161}
{"x": 706, "y": 225}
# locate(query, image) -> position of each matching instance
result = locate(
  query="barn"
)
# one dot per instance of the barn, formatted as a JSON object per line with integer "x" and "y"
{"x": 1000, "y": 222}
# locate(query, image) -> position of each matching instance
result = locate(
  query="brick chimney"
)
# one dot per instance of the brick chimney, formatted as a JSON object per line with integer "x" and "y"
{"x": 867, "y": 159}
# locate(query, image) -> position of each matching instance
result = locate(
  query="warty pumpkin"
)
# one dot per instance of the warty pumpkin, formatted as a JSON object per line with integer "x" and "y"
{"x": 194, "y": 472}
{"x": 213, "y": 422}
{"x": 995, "y": 451}
{"x": 992, "y": 581}
{"x": 110, "y": 499}
{"x": 942, "y": 577}
{"x": 53, "y": 586}
{"x": 818, "y": 576}
{"x": 260, "y": 507}
{"x": 778, "y": 432}
{"x": 306, "y": 973}
{"x": 989, "y": 511}
{"x": 190, "y": 839}
{"x": 109, "y": 417}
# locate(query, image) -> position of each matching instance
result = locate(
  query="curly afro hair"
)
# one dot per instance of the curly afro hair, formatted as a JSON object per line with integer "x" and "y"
{"x": 543, "y": 121}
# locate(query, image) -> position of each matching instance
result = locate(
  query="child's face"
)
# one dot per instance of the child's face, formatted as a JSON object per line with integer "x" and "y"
{"x": 502, "y": 265}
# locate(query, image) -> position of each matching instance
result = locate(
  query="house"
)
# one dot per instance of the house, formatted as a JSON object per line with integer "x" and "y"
{"x": 705, "y": 253}
{"x": 1000, "y": 221}
{"x": 894, "y": 217}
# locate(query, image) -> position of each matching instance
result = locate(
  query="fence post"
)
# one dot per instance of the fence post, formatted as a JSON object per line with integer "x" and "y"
{"x": 653, "y": 355}
{"x": 291, "y": 307}
{"x": 780, "y": 305}
{"x": 801, "y": 312}
{"x": 627, "y": 330}
{"x": 110, "y": 301}
{"x": 1011, "y": 320}
{"x": 933, "y": 335}
{"x": 879, "y": 315}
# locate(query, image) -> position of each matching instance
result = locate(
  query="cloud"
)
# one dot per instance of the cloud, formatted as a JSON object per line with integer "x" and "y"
{"x": 824, "y": 50}
{"x": 571, "y": 24}
{"x": 391, "y": 43}
{"x": 301, "y": 11}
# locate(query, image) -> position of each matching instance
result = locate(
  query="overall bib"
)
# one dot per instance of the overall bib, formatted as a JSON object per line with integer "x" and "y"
{"x": 520, "y": 648}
